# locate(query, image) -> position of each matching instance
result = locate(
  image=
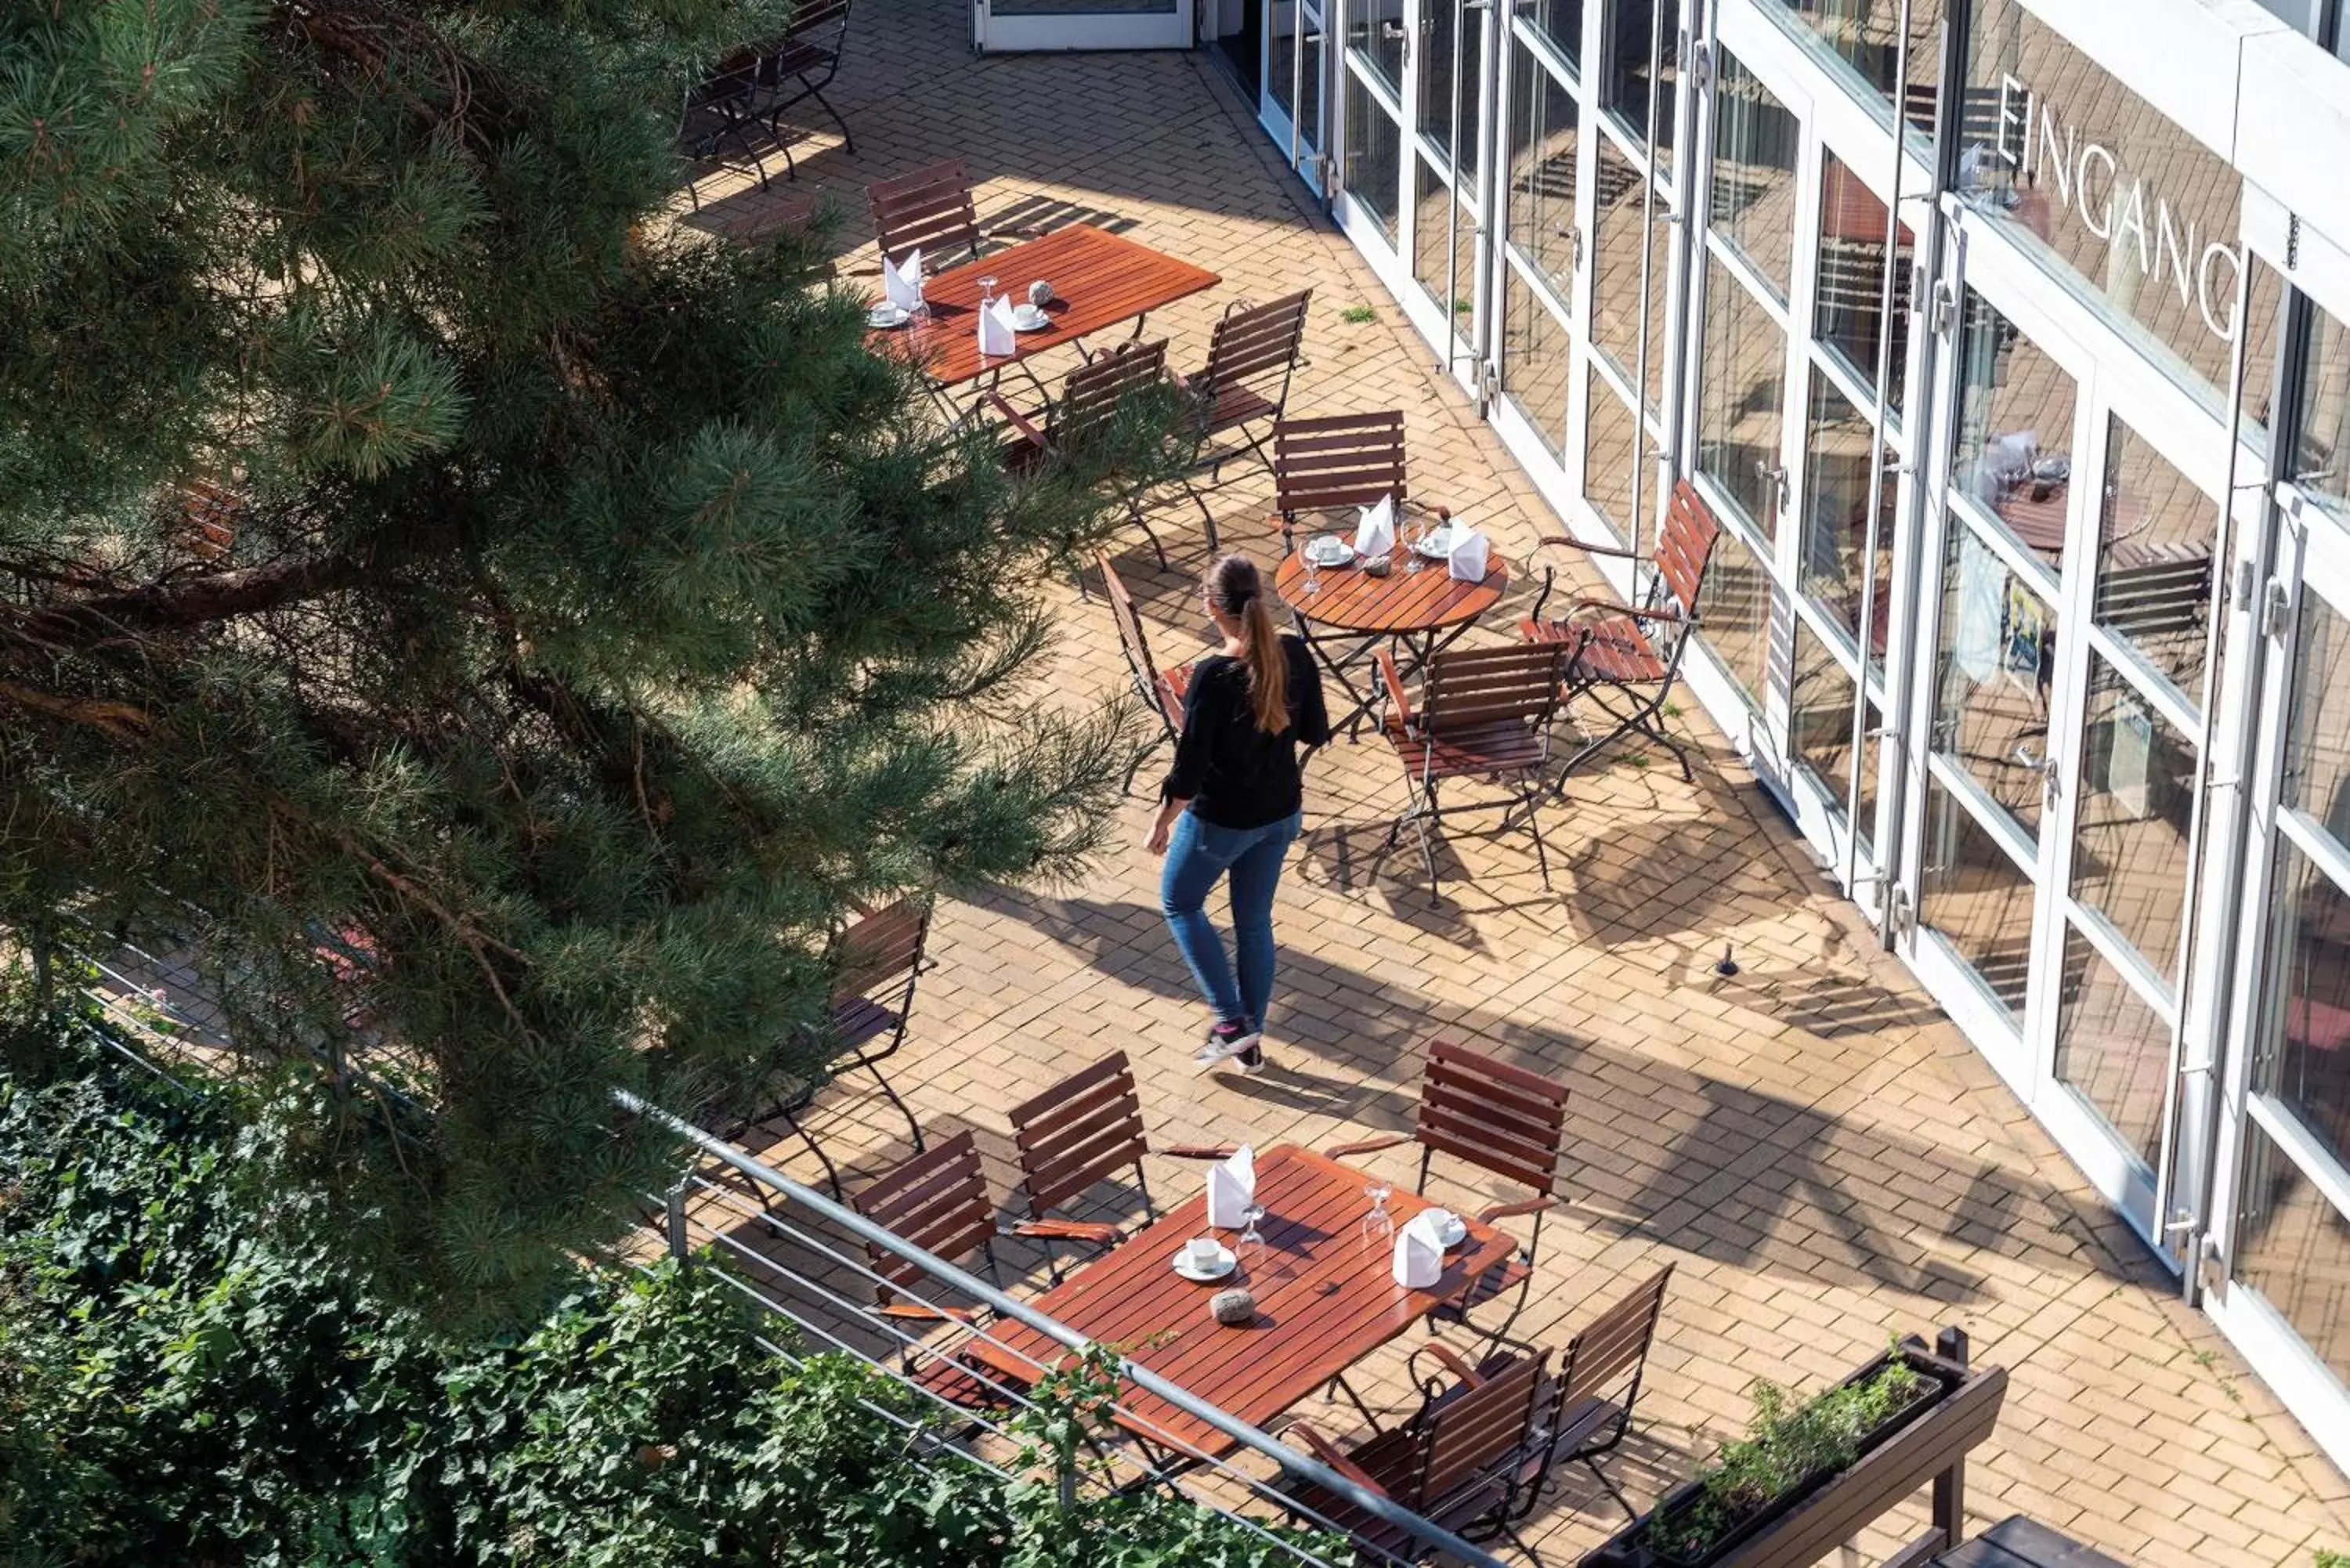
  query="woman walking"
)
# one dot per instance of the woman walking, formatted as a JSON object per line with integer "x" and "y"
{"x": 1232, "y": 803}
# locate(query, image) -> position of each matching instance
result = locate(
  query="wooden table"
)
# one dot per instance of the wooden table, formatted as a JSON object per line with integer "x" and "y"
{"x": 1098, "y": 280}
{"x": 1325, "y": 1298}
{"x": 1413, "y": 610}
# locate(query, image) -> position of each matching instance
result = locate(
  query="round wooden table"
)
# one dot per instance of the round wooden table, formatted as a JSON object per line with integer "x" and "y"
{"x": 1421, "y": 612}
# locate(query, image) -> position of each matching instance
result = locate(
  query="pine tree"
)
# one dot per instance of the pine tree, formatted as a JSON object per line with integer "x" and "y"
{"x": 418, "y": 550}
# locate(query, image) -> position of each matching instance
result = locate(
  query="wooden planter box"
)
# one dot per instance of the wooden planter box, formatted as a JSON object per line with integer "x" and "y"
{"x": 1926, "y": 1442}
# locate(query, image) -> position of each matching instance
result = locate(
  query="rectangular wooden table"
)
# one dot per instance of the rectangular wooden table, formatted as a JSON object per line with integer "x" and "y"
{"x": 1098, "y": 280}
{"x": 1325, "y": 1298}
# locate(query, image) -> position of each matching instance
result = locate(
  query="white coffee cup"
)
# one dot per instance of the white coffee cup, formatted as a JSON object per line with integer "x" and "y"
{"x": 1203, "y": 1253}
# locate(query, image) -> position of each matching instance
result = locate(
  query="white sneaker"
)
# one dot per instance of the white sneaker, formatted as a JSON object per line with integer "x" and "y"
{"x": 1222, "y": 1044}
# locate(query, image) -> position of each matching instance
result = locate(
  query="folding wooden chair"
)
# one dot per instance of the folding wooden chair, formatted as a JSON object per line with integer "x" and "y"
{"x": 1484, "y": 713}
{"x": 722, "y": 111}
{"x": 1162, "y": 691}
{"x": 930, "y": 209}
{"x": 1460, "y": 1461}
{"x": 881, "y": 962}
{"x": 1086, "y": 1129}
{"x": 1599, "y": 1380}
{"x": 799, "y": 66}
{"x": 1503, "y": 1120}
{"x": 1345, "y": 460}
{"x": 938, "y": 1201}
{"x": 1093, "y": 395}
{"x": 1634, "y": 651}
{"x": 1252, "y": 358}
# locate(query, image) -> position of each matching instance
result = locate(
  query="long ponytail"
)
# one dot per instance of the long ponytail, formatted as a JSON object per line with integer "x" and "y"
{"x": 1239, "y": 590}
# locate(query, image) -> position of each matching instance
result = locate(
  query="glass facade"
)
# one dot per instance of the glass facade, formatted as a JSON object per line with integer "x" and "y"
{"x": 1974, "y": 610}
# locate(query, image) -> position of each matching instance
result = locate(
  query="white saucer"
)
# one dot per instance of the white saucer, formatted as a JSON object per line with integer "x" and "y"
{"x": 1329, "y": 550}
{"x": 1226, "y": 1262}
{"x": 1436, "y": 546}
{"x": 1029, "y": 319}
{"x": 884, "y": 316}
{"x": 1453, "y": 1231}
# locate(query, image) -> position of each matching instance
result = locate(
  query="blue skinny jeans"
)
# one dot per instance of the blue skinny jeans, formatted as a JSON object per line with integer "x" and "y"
{"x": 1198, "y": 852}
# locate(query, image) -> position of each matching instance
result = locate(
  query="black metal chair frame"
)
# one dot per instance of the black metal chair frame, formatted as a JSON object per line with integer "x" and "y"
{"x": 751, "y": 89}
{"x": 1659, "y": 604}
{"x": 1214, "y": 377}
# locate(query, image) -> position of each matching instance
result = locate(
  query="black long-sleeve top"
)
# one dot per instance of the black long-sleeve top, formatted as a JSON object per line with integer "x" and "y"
{"x": 1233, "y": 773}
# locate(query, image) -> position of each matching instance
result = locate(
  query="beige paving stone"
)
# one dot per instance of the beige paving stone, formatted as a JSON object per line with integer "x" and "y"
{"x": 1811, "y": 1144}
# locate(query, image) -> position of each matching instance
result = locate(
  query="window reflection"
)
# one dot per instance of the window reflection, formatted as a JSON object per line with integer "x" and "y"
{"x": 1821, "y": 704}
{"x": 1636, "y": 49}
{"x": 2015, "y": 429}
{"x": 1287, "y": 72}
{"x": 2317, "y": 738}
{"x": 1453, "y": 287}
{"x": 1752, "y": 206}
{"x": 1560, "y": 23}
{"x": 1608, "y": 459}
{"x": 2303, "y": 1062}
{"x": 1849, "y": 293}
{"x": 1375, "y": 36}
{"x": 1373, "y": 160}
{"x": 2321, "y": 454}
{"x": 2155, "y": 571}
{"x": 2113, "y": 1048}
{"x": 1533, "y": 360}
{"x": 1619, "y": 227}
{"x": 1836, "y": 513}
{"x": 2119, "y": 200}
{"x": 1543, "y": 133}
{"x": 1739, "y": 403}
{"x": 2293, "y": 1247}
{"x": 1736, "y": 623}
{"x": 1861, "y": 36}
{"x": 1996, "y": 661}
{"x": 1451, "y": 59}
{"x": 2129, "y": 833}
{"x": 1978, "y": 899}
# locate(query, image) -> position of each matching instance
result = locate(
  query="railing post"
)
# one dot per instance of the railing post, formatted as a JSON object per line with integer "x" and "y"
{"x": 680, "y": 1244}
{"x": 1951, "y": 1486}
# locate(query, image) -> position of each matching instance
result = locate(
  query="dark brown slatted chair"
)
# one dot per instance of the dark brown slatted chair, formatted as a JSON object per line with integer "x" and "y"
{"x": 1627, "y": 657}
{"x": 1162, "y": 691}
{"x": 799, "y": 66}
{"x": 722, "y": 112}
{"x": 1345, "y": 460}
{"x": 1252, "y": 358}
{"x": 1462, "y": 1461}
{"x": 880, "y": 959}
{"x": 1585, "y": 1412}
{"x": 1503, "y": 1120}
{"x": 936, "y": 1200}
{"x": 930, "y": 210}
{"x": 1084, "y": 1130}
{"x": 1483, "y": 713}
{"x": 1093, "y": 396}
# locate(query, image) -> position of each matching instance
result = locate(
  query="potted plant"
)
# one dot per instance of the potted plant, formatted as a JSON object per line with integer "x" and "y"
{"x": 1789, "y": 1452}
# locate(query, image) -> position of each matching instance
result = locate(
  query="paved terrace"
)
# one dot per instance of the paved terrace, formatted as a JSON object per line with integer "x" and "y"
{"x": 1811, "y": 1142}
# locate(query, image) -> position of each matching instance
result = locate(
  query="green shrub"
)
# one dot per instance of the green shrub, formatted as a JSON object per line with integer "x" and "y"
{"x": 179, "y": 1388}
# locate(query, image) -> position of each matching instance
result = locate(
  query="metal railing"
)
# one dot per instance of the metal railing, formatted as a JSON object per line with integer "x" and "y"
{"x": 793, "y": 1250}
{"x": 795, "y": 1254}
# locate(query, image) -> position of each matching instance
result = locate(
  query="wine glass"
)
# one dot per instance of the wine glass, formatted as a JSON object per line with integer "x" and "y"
{"x": 1378, "y": 1225}
{"x": 986, "y": 292}
{"x": 1418, "y": 528}
{"x": 1250, "y": 1249}
{"x": 1313, "y": 572}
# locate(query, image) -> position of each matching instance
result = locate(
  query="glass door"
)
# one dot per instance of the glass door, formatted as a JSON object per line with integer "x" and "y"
{"x": 1369, "y": 198}
{"x": 1294, "y": 103}
{"x": 1006, "y": 26}
{"x": 1446, "y": 83}
{"x": 2283, "y": 1203}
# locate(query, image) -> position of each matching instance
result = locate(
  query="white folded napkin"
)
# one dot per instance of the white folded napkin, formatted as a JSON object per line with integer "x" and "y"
{"x": 997, "y": 332}
{"x": 1420, "y": 1252}
{"x": 1375, "y": 535}
{"x": 1232, "y": 1187}
{"x": 1467, "y": 556}
{"x": 903, "y": 282}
